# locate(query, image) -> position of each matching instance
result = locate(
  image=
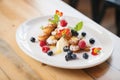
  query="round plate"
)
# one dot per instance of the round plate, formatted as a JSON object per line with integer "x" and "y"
{"x": 32, "y": 28}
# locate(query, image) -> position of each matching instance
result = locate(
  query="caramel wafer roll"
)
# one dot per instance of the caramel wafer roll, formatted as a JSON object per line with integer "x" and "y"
{"x": 47, "y": 32}
{"x": 48, "y": 29}
{"x": 87, "y": 48}
{"x": 43, "y": 37}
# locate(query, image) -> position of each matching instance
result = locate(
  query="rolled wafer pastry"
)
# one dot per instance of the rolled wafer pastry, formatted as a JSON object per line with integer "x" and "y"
{"x": 47, "y": 31}
{"x": 43, "y": 37}
{"x": 87, "y": 48}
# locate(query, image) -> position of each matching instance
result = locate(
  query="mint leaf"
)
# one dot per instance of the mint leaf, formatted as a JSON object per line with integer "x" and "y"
{"x": 79, "y": 26}
{"x": 56, "y": 18}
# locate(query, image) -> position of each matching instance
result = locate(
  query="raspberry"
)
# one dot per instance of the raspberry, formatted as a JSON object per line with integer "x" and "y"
{"x": 45, "y": 49}
{"x": 63, "y": 23}
{"x": 42, "y": 43}
{"x": 82, "y": 44}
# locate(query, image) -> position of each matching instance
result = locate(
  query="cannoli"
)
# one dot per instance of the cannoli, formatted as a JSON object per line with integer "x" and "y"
{"x": 47, "y": 31}
{"x": 43, "y": 37}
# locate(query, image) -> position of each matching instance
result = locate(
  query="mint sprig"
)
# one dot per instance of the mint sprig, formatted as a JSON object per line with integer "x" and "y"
{"x": 55, "y": 19}
{"x": 78, "y": 26}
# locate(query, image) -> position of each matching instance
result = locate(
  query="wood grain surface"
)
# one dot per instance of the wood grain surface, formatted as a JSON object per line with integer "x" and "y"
{"x": 16, "y": 65}
{"x": 12, "y": 66}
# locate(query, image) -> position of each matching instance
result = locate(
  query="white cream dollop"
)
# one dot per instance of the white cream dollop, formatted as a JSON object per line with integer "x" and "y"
{"x": 54, "y": 32}
{"x": 51, "y": 40}
{"x": 61, "y": 43}
{"x": 74, "y": 47}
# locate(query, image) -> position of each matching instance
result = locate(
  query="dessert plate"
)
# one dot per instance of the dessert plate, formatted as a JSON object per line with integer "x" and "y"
{"x": 32, "y": 28}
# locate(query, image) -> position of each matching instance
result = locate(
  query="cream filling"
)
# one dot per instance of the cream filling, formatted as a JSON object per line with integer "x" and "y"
{"x": 51, "y": 40}
{"x": 74, "y": 48}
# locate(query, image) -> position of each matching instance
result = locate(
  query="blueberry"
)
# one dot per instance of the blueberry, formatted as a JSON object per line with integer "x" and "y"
{"x": 92, "y": 41}
{"x": 83, "y": 34}
{"x": 85, "y": 56}
{"x": 74, "y": 33}
{"x": 50, "y": 53}
{"x": 32, "y": 39}
{"x": 74, "y": 56}
{"x": 69, "y": 52}
{"x": 68, "y": 57}
{"x": 66, "y": 48}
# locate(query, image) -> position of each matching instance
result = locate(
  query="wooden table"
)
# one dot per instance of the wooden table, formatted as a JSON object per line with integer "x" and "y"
{"x": 16, "y": 65}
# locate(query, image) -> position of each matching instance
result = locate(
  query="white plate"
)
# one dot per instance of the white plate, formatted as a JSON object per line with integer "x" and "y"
{"x": 32, "y": 28}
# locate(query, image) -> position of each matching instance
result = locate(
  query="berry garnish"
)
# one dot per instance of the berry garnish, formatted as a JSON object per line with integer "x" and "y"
{"x": 32, "y": 39}
{"x": 92, "y": 41}
{"x": 69, "y": 52}
{"x": 68, "y": 57}
{"x": 50, "y": 53}
{"x": 74, "y": 56}
{"x": 45, "y": 49}
{"x": 82, "y": 44}
{"x": 85, "y": 56}
{"x": 42, "y": 43}
{"x": 83, "y": 34}
{"x": 65, "y": 32}
{"x": 63, "y": 23}
{"x": 59, "y": 13}
{"x": 66, "y": 48}
{"x": 96, "y": 51}
{"x": 74, "y": 33}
